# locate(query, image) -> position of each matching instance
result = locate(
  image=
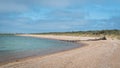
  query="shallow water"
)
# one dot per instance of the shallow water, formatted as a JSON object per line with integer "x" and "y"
{"x": 16, "y": 47}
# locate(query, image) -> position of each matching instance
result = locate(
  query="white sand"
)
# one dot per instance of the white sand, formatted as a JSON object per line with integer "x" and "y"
{"x": 98, "y": 54}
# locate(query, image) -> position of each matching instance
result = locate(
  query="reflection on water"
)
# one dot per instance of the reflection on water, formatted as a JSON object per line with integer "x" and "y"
{"x": 14, "y": 47}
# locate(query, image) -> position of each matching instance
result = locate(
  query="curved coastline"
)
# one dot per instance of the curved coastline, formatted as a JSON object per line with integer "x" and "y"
{"x": 40, "y": 56}
{"x": 98, "y": 54}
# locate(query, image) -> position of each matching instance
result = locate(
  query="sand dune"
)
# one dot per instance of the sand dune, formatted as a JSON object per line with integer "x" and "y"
{"x": 97, "y": 54}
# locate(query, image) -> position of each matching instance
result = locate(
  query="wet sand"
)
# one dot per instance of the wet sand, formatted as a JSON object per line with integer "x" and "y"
{"x": 97, "y": 54}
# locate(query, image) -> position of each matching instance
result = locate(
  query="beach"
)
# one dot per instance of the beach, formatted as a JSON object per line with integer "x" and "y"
{"x": 95, "y": 54}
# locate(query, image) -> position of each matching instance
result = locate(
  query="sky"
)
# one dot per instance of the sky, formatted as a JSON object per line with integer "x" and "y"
{"x": 36, "y": 16}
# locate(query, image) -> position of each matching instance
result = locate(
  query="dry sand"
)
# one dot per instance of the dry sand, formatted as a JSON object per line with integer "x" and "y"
{"x": 97, "y": 54}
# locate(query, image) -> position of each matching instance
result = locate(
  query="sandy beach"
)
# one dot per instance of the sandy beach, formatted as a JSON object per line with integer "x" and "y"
{"x": 96, "y": 54}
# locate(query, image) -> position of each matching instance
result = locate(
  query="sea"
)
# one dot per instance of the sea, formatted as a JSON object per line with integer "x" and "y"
{"x": 18, "y": 47}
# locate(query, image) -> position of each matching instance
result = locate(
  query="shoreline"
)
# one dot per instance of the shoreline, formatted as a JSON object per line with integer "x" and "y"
{"x": 37, "y": 56}
{"x": 97, "y": 54}
{"x": 40, "y": 56}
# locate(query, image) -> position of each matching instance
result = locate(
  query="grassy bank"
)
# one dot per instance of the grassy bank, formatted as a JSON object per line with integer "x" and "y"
{"x": 115, "y": 34}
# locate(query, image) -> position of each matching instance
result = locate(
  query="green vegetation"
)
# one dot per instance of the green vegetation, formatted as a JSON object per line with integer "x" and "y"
{"x": 97, "y": 33}
{"x": 114, "y": 34}
{"x": 5, "y": 34}
{"x": 9, "y": 34}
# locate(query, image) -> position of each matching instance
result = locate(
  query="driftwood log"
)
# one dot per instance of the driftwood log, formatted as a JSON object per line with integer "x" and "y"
{"x": 101, "y": 38}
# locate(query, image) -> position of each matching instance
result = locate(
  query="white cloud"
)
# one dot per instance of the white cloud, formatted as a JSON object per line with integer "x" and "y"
{"x": 68, "y": 3}
{"x": 55, "y": 3}
{"x": 24, "y": 5}
{"x": 11, "y": 6}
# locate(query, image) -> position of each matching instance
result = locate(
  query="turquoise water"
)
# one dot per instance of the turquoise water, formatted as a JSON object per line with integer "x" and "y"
{"x": 16, "y": 47}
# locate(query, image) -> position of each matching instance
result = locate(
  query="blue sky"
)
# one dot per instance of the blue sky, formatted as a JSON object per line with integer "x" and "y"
{"x": 29, "y": 16}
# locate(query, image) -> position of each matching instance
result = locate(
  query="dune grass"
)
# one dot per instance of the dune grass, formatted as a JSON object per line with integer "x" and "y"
{"x": 97, "y": 33}
{"x": 114, "y": 34}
